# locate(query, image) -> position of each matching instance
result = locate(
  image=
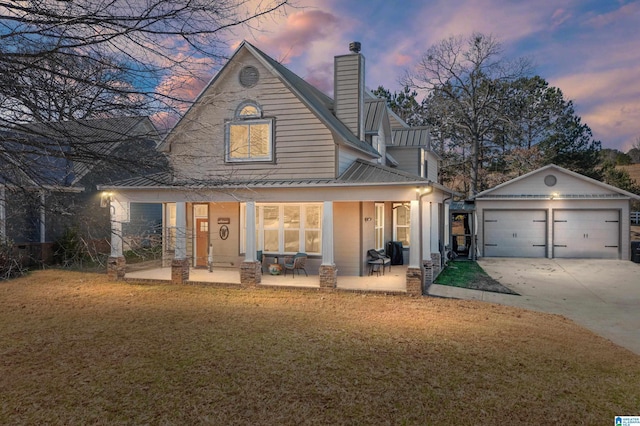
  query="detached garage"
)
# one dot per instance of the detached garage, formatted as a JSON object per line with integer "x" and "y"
{"x": 556, "y": 213}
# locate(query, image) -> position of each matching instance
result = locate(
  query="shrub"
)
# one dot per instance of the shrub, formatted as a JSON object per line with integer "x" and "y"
{"x": 11, "y": 265}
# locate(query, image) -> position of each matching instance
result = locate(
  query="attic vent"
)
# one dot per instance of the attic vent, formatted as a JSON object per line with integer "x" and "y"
{"x": 354, "y": 47}
{"x": 249, "y": 76}
{"x": 550, "y": 180}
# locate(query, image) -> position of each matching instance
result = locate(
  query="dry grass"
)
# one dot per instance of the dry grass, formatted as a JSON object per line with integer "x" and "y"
{"x": 77, "y": 349}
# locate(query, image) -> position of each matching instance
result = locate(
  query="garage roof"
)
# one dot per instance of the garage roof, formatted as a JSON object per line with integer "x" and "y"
{"x": 541, "y": 184}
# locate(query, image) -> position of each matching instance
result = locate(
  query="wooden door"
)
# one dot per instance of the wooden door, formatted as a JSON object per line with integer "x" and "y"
{"x": 202, "y": 241}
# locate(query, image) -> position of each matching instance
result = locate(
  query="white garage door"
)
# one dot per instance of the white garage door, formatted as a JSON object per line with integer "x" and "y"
{"x": 586, "y": 234}
{"x": 515, "y": 233}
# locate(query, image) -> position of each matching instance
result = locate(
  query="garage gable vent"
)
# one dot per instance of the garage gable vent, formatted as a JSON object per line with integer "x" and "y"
{"x": 550, "y": 180}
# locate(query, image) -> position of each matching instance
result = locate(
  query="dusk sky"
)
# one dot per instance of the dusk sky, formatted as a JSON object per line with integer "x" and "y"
{"x": 590, "y": 49}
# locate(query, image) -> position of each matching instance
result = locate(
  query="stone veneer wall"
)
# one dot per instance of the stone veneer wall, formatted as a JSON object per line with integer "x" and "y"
{"x": 179, "y": 271}
{"x": 328, "y": 276}
{"x": 436, "y": 259}
{"x": 116, "y": 268}
{"x": 250, "y": 273}
{"x": 414, "y": 281}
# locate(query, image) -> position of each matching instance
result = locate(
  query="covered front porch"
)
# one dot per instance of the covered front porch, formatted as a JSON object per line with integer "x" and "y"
{"x": 393, "y": 280}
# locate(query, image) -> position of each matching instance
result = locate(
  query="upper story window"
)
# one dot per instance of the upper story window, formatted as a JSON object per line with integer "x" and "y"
{"x": 249, "y": 136}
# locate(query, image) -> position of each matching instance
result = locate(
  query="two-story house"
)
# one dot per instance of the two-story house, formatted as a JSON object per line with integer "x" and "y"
{"x": 265, "y": 162}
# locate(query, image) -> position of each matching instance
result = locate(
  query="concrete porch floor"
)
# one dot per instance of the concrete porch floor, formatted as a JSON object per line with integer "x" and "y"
{"x": 392, "y": 281}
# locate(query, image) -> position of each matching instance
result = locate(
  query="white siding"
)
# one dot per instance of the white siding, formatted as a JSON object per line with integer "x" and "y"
{"x": 304, "y": 146}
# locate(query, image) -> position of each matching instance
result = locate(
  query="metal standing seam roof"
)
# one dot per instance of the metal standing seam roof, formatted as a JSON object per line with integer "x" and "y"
{"x": 360, "y": 173}
{"x": 374, "y": 111}
{"x": 412, "y": 137}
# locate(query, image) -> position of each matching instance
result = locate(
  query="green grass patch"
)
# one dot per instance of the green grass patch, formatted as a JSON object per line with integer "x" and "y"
{"x": 468, "y": 274}
{"x": 461, "y": 273}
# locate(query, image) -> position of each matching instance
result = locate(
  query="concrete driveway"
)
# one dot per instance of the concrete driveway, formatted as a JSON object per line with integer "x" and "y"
{"x": 601, "y": 295}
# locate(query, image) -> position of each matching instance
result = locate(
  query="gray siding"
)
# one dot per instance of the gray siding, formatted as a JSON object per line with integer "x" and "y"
{"x": 408, "y": 159}
{"x": 349, "y": 92}
{"x": 346, "y": 233}
{"x": 304, "y": 147}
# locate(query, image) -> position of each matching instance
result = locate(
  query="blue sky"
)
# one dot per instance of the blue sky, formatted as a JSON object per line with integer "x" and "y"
{"x": 589, "y": 49}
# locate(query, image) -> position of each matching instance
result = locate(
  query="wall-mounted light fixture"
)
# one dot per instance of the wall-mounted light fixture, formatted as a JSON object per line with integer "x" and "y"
{"x": 105, "y": 199}
{"x": 423, "y": 190}
{"x": 554, "y": 195}
{"x": 368, "y": 219}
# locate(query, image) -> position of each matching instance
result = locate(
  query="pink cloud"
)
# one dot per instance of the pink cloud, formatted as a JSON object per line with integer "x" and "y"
{"x": 298, "y": 33}
{"x": 559, "y": 17}
{"x": 321, "y": 77}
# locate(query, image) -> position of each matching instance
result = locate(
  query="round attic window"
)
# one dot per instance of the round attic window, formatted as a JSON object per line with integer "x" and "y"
{"x": 249, "y": 76}
{"x": 550, "y": 180}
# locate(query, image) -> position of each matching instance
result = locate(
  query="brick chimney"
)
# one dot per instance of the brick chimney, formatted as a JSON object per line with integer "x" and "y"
{"x": 348, "y": 89}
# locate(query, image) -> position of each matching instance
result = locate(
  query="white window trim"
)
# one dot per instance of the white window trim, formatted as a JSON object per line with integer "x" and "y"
{"x": 397, "y": 206}
{"x": 260, "y": 227}
{"x": 378, "y": 225}
{"x": 248, "y": 120}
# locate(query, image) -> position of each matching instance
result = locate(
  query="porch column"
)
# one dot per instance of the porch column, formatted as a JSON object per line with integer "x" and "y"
{"x": 414, "y": 271}
{"x": 435, "y": 255}
{"x": 3, "y": 215}
{"x": 250, "y": 269}
{"x": 116, "y": 263}
{"x": 328, "y": 271}
{"x": 180, "y": 262}
{"x": 43, "y": 217}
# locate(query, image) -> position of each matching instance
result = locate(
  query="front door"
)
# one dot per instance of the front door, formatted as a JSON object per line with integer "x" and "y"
{"x": 202, "y": 241}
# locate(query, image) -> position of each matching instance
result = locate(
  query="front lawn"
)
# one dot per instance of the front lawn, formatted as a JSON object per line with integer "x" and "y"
{"x": 78, "y": 349}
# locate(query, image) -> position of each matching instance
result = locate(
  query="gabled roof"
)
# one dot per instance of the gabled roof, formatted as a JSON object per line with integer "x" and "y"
{"x": 375, "y": 110}
{"x": 617, "y": 192}
{"x": 415, "y": 137}
{"x": 94, "y": 138}
{"x": 27, "y": 161}
{"x": 314, "y": 99}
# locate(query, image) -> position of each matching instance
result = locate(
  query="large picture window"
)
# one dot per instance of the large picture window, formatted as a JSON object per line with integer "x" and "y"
{"x": 249, "y": 137}
{"x": 285, "y": 228}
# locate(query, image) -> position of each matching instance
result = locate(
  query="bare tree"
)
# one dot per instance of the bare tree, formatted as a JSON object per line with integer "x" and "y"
{"x": 70, "y": 60}
{"x": 463, "y": 76}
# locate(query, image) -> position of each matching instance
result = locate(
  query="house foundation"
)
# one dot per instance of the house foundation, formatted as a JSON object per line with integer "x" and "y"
{"x": 179, "y": 271}
{"x": 116, "y": 266}
{"x": 414, "y": 281}
{"x": 250, "y": 273}
{"x": 328, "y": 276}
{"x": 436, "y": 260}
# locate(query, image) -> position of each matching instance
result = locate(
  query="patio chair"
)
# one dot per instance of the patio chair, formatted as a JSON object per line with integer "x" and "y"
{"x": 375, "y": 259}
{"x": 295, "y": 263}
{"x": 260, "y": 257}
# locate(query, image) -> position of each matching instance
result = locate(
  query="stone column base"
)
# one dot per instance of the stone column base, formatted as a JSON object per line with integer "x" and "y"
{"x": 250, "y": 273}
{"x": 328, "y": 276}
{"x": 179, "y": 271}
{"x": 116, "y": 268}
{"x": 414, "y": 281}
